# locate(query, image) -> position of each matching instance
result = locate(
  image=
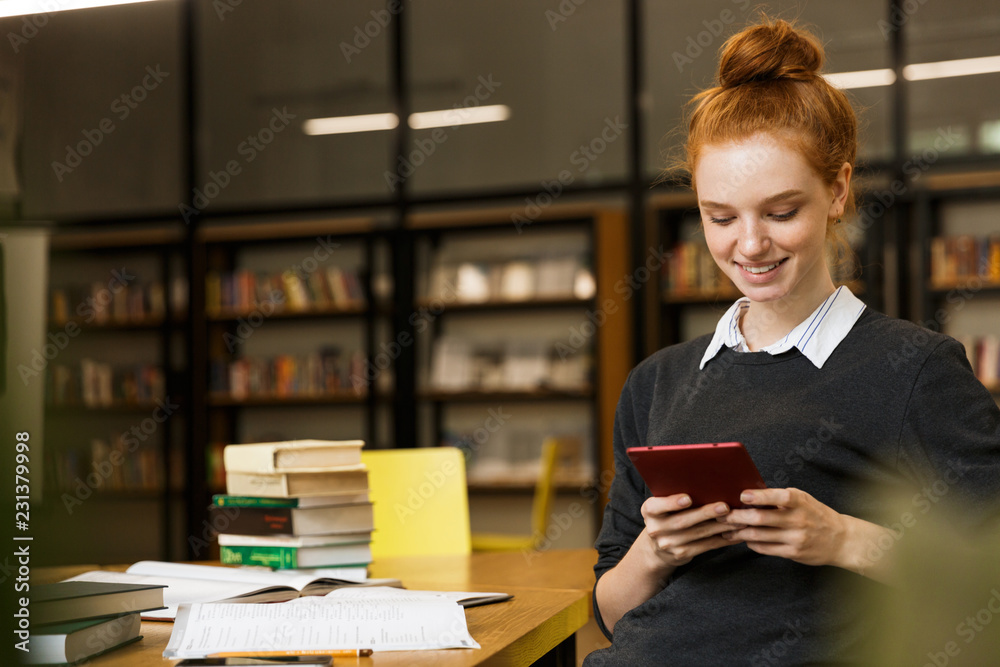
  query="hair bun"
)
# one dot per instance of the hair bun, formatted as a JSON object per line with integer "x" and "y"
{"x": 768, "y": 52}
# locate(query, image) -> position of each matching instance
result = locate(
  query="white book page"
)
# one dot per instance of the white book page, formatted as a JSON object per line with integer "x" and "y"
{"x": 316, "y": 624}
{"x": 297, "y": 579}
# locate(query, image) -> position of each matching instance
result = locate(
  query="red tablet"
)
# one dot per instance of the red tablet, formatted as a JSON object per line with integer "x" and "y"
{"x": 707, "y": 472}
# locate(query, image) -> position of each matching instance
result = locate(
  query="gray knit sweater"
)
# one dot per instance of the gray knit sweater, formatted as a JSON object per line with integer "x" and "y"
{"x": 895, "y": 408}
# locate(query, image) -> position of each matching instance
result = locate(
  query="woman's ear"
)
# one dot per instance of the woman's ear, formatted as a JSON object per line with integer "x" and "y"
{"x": 841, "y": 187}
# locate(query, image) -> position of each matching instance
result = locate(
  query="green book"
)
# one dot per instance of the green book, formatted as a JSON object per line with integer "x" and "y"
{"x": 226, "y": 500}
{"x": 283, "y": 558}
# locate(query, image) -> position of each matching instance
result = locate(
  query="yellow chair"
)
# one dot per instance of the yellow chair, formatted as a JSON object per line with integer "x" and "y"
{"x": 541, "y": 508}
{"x": 420, "y": 501}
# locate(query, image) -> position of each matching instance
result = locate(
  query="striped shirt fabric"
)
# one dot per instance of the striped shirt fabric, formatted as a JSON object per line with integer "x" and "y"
{"x": 816, "y": 337}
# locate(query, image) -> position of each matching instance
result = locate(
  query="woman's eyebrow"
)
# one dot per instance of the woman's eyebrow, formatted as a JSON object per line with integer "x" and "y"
{"x": 781, "y": 196}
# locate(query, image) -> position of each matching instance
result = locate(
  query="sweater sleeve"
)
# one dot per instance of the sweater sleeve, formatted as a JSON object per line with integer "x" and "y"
{"x": 950, "y": 436}
{"x": 622, "y": 517}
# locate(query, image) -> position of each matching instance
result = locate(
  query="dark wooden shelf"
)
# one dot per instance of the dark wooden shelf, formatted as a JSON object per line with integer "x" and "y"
{"x": 56, "y": 409}
{"x": 499, "y": 304}
{"x": 939, "y": 288}
{"x": 342, "y": 398}
{"x": 474, "y": 396}
{"x": 132, "y": 324}
{"x": 228, "y": 315}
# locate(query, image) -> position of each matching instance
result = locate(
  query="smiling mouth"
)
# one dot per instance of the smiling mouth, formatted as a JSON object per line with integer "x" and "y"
{"x": 760, "y": 269}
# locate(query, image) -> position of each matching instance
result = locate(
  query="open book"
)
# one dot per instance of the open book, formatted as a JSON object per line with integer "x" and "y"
{"x": 187, "y": 584}
{"x": 382, "y": 619}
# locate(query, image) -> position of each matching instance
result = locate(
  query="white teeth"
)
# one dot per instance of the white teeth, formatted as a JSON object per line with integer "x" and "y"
{"x": 760, "y": 269}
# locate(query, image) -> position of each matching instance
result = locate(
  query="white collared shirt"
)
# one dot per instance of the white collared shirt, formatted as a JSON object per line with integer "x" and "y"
{"x": 816, "y": 337}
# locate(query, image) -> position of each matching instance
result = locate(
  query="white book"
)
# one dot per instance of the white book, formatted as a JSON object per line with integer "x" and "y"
{"x": 188, "y": 583}
{"x": 292, "y": 456}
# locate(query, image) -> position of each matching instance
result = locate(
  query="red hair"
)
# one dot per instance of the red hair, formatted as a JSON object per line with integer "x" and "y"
{"x": 769, "y": 83}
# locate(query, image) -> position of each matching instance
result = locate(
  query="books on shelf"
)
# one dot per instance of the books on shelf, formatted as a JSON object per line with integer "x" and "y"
{"x": 94, "y": 384}
{"x": 956, "y": 259}
{"x": 296, "y": 553}
{"x": 79, "y": 600}
{"x": 331, "y": 518}
{"x": 514, "y": 280}
{"x": 130, "y": 302}
{"x": 295, "y": 291}
{"x": 292, "y": 456}
{"x": 124, "y": 464}
{"x": 75, "y": 641}
{"x": 322, "y": 373}
{"x": 189, "y": 583}
{"x": 690, "y": 269}
{"x": 457, "y": 365}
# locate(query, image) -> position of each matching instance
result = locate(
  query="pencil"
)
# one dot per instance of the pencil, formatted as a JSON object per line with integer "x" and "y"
{"x": 335, "y": 653}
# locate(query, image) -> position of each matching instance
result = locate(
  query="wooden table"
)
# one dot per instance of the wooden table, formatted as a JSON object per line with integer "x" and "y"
{"x": 551, "y": 602}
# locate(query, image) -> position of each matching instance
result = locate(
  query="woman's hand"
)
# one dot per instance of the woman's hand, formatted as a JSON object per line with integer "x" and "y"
{"x": 799, "y": 527}
{"x": 677, "y": 532}
{"x": 806, "y": 531}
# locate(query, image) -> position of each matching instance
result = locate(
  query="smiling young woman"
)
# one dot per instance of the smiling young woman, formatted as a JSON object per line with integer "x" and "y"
{"x": 805, "y": 376}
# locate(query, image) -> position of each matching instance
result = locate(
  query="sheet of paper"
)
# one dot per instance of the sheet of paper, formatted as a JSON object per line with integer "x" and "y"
{"x": 319, "y": 624}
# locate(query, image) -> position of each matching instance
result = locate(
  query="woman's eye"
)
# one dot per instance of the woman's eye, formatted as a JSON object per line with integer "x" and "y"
{"x": 718, "y": 221}
{"x": 785, "y": 216}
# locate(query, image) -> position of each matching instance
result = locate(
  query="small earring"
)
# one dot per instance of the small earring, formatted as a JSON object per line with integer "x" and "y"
{"x": 837, "y": 222}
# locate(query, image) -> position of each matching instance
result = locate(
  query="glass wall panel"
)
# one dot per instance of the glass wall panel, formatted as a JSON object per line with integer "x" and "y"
{"x": 102, "y": 110}
{"x": 558, "y": 67}
{"x": 952, "y": 115}
{"x": 681, "y": 46}
{"x": 265, "y": 69}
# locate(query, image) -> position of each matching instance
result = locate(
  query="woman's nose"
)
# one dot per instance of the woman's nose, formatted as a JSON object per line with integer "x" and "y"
{"x": 753, "y": 240}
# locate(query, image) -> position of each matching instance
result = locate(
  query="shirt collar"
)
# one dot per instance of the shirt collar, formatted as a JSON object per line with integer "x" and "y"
{"x": 816, "y": 337}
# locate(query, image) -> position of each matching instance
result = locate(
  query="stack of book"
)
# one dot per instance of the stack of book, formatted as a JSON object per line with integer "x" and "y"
{"x": 298, "y": 504}
{"x": 76, "y": 620}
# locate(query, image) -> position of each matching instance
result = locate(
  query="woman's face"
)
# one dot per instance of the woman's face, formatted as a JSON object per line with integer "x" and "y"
{"x": 765, "y": 214}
